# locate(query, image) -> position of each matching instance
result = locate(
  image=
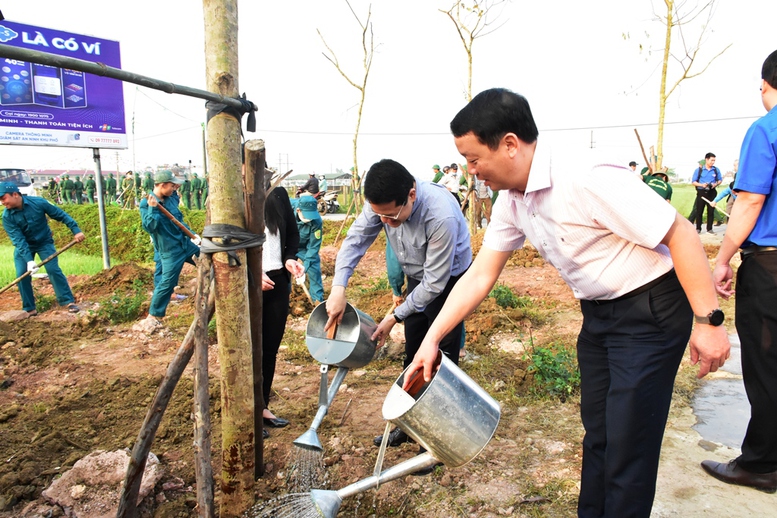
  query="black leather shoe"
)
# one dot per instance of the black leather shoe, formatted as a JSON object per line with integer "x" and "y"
{"x": 426, "y": 471}
{"x": 396, "y": 437}
{"x": 265, "y": 434}
{"x": 731, "y": 473}
{"x": 276, "y": 422}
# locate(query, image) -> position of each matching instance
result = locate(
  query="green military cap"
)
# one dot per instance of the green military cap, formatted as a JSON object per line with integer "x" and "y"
{"x": 166, "y": 175}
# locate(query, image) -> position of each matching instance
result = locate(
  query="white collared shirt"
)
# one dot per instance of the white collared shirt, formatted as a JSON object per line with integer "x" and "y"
{"x": 600, "y": 228}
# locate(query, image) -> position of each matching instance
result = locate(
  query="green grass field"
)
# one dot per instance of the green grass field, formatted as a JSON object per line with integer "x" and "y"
{"x": 72, "y": 263}
{"x": 683, "y": 197}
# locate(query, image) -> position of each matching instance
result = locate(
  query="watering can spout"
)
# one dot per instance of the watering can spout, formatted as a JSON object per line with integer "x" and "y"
{"x": 309, "y": 441}
{"x": 327, "y": 502}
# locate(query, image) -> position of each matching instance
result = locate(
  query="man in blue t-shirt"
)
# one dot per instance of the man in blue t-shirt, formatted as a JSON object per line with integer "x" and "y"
{"x": 753, "y": 227}
{"x": 706, "y": 178}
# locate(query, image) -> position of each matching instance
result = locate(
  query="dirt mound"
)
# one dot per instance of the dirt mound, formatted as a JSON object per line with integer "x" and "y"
{"x": 122, "y": 277}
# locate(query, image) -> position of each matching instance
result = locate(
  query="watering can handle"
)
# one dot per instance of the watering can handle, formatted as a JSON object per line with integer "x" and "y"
{"x": 330, "y": 333}
{"x": 416, "y": 382}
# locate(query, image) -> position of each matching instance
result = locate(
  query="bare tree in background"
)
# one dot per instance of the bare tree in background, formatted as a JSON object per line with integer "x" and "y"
{"x": 473, "y": 19}
{"x": 684, "y": 55}
{"x": 368, "y": 50}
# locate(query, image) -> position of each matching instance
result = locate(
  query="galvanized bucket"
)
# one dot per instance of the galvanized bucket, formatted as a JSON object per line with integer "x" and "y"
{"x": 451, "y": 415}
{"x": 351, "y": 346}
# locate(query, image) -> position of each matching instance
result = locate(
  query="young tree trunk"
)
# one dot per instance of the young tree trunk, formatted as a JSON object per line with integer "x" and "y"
{"x": 227, "y": 207}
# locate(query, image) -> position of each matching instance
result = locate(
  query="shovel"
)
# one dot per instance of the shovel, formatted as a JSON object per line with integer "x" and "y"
{"x": 46, "y": 260}
{"x": 716, "y": 207}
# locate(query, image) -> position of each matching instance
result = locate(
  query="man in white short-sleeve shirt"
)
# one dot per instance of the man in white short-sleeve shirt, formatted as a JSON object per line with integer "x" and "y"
{"x": 640, "y": 284}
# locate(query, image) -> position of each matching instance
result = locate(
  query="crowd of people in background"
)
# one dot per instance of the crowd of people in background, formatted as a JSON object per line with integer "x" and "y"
{"x": 465, "y": 187}
{"x": 125, "y": 192}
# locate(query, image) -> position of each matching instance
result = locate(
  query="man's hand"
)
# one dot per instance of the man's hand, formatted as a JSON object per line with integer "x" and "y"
{"x": 383, "y": 330}
{"x": 335, "y": 306}
{"x": 424, "y": 359}
{"x": 722, "y": 276}
{"x": 197, "y": 240}
{"x": 152, "y": 202}
{"x": 79, "y": 237}
{"x": 709, "y": 348}
{"x": 32, "y": 267}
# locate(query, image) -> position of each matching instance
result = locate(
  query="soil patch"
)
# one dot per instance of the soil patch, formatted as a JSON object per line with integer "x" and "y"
{"x": 74, "y": 384}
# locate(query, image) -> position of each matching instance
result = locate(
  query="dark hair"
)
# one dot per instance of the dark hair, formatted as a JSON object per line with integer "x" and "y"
{"x": 769, "y": 70}
{"x": 632, "y": 163}
{"x": 492, "y": 114}
{"x": 388, "y": 181}
{"x": 709, "y": 155}
{"x": 273, "y": 211}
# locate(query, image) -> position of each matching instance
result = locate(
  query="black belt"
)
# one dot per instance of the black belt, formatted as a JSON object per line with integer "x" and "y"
{"x": 275, "y": 273}
{"x": 755, "y": 249}
{"x": 635, "y": 292}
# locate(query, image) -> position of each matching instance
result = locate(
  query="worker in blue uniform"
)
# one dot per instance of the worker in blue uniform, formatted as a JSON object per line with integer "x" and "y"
{"x": 173, "y": 246}
{"x": 24, "y": 219}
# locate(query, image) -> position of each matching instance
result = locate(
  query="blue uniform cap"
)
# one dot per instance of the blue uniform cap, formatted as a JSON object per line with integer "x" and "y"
{"x": 8, "y": 187}
{"x": 308, "y": 207}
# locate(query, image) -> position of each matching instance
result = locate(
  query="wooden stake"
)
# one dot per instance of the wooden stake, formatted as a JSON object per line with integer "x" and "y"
{"x": 642, "y": 148}
{"x": 202, "y": 427}
{"x": 350, "y": 207}
{"x": 131, "y": 487}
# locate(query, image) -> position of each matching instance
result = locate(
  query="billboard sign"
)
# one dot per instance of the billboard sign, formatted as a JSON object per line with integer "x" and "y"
{"x": 43, "y": 105}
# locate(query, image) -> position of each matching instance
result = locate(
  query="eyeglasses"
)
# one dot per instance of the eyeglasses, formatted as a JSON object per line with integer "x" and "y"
{"x": 384, "y": 216}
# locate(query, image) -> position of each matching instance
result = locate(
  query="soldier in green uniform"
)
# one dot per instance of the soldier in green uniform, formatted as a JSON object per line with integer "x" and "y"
{"x": 659, "y": 182}
{"x": 437, "y": 173}
{"x": 53, "y": 190}
{"x": 90, "y": 186}
{"x": 67, "y": 189}
{"x": 205, "y": 188}
{"x": 127, "y": 191}
{"x": 186, "y": 192}
{"x": 197, "y": 191}
{"x": 138, "y": 187}
{"x": 148, "y": 184}
{"x": 110, "y": 188}
{"x": 78, "y": 188}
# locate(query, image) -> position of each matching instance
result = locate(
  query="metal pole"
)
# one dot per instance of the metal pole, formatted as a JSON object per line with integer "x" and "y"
{"x": 204, "y": 153}
{"x": 101, "y": 208}
{"x": 100, "y": 69}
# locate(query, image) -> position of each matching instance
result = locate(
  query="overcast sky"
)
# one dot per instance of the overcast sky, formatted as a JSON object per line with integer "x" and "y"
{"x": 588, "y": 86}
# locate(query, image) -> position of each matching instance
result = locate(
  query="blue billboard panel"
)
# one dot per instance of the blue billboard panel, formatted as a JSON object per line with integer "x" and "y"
{"x": 43, "y": 105}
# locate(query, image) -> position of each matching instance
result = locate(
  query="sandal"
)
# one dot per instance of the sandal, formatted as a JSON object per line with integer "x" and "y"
{"x": 33, "y": 313}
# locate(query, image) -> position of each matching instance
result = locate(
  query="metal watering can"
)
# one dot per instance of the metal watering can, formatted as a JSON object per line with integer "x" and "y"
{"x": 348, "y": 347}
{"x": 451, "y": 416}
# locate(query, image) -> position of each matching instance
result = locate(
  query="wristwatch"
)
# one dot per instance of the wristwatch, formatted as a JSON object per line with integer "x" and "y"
{"x": 715, "y": 318}
{"x": 396, "y": 317}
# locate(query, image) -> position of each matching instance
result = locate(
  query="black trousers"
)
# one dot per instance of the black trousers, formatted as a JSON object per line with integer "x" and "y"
{"x": 629, "y": 351}
{"x": 417, "y": 324}
{"x": 275, "y": 310}
{"x": 756, "y": 323}
{"x": 701, "y": 195}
